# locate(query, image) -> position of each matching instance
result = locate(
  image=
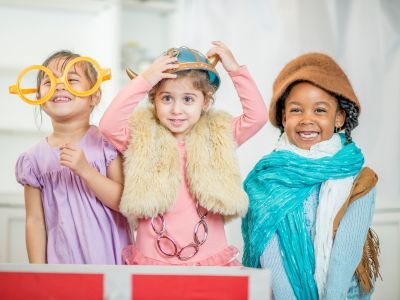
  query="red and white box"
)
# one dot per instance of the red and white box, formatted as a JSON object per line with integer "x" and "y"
{"x": 89, "y": 282}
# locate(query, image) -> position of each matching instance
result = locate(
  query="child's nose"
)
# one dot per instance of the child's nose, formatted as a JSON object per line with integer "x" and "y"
{"x": 307, "y": 119}
{"x": 307, "y": 122}
{"x": 176, "y": 107}
{"x": 60, "y": 87}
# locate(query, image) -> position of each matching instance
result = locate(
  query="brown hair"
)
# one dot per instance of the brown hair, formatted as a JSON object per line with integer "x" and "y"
{"x": 89, "y": 71}
{"x": 200, "y": 81}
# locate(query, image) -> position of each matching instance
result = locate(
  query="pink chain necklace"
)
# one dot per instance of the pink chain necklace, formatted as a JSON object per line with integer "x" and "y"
{"x": 177, "y": 251}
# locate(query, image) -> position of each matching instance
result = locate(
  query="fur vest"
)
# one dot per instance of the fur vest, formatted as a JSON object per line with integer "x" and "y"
{"x": 153, "y": 174}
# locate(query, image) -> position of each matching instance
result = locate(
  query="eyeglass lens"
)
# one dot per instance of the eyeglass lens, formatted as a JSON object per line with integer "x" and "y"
{"x": 80, "y": 77}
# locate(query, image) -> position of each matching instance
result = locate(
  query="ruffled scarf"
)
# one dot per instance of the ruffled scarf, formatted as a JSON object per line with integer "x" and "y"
{"x": 277, "y": 188}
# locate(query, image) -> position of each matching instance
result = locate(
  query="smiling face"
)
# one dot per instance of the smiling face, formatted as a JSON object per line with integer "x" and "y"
{"x": 179, "y": 105}
{"x": 64, "y": 105}
{"x": 310, "y": 115}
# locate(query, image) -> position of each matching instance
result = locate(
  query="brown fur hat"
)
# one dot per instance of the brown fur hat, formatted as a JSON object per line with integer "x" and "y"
{"x": 318, "y": 69}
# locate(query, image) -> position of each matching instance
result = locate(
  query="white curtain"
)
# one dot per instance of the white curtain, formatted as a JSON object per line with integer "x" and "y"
{"x": 363, "y": 36}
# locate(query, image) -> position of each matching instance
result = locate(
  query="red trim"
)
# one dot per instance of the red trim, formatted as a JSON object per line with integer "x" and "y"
{"x": 60, "y": 286}
{"x": 187, "y": 287}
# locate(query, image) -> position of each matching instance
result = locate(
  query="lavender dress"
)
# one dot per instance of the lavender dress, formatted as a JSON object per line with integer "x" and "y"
{"x": 80, "y": 229}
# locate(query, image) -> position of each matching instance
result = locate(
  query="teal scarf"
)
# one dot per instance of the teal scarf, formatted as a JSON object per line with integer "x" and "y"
{"x": 277, "y": 188}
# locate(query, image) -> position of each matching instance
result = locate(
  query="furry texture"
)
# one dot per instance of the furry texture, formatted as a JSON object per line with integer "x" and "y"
{"x": 152, "y": 167}
{"x": 317, "y": 68}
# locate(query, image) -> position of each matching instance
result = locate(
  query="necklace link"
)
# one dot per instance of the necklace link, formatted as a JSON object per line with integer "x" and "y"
{"x": 191, "y": 245}
{"x": 201, "y": 216}
{"x": 195, "y": 245}
{"x": 171, "y": 240}
{"x": 196, "y": 229}
{"x": 161, "y": 231}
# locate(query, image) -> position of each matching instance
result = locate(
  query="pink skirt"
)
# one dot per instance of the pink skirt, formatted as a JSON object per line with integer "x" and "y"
{"x": 226, "y": 257}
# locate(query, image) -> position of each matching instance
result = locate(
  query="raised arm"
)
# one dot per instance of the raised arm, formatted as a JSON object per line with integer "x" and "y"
{"x": 114, "y": 123}
{"x": 254, "y": 114}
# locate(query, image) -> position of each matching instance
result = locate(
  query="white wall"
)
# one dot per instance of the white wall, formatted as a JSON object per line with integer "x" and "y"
{"x": 32, "y": 34}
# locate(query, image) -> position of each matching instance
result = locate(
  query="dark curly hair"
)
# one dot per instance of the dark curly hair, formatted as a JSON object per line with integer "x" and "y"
{"x": 352, "y": 112}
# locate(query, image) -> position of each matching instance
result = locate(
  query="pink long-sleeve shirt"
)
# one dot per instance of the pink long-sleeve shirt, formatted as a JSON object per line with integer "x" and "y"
{"x": 182, "y": 217}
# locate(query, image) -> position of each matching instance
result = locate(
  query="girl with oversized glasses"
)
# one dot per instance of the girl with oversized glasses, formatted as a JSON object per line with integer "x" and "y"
{"x": 73, "y": 178}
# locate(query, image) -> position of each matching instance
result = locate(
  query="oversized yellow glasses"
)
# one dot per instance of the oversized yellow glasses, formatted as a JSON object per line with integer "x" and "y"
{"x": 72, "y": 80}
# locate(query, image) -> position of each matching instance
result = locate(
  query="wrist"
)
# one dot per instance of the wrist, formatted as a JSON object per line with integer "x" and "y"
{"x": 242, "y": 69}
{"x": 151, "y": 80}
{"x": 233, "y": 68}
{"x": 85, "y": 171}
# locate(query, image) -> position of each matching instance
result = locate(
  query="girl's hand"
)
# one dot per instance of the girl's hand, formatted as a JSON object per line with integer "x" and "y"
{"x": 74, "y": 158}
{"x": 156, "y": 71}
{"x": 227, "y": 59}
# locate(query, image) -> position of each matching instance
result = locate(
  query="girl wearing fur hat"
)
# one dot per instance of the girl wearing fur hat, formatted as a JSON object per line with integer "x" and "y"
{"x": 181, "y": 175}
{"x": 311, "y": 200}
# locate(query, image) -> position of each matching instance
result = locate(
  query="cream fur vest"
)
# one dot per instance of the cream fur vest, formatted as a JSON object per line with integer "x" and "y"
{"x": 152, "y": 167}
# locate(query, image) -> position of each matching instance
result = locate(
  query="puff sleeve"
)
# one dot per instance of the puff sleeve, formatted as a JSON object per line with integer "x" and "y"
{"x": 110, "y": 152}
{"x": 25, "y": 172}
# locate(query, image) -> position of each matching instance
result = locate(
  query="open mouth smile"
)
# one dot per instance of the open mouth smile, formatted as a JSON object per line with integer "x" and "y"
{"x": 61, "y": 99}
{"x": 308, "y": 135}
{"x": 177, "y": 122}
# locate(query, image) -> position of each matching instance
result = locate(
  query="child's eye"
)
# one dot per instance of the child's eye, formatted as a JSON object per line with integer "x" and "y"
{"x": 73, "y": 80}
{"x": 295, "y": 110}
{"x": 45, "y": 81}
{"x": 320, "y": 110}
{"x": 166, "y": 99}
{"x": 188, "y": 99}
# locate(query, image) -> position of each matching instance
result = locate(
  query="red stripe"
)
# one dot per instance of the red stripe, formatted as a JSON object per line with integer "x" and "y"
{"x": 24, "y": 285}
{"x": 184, "y": 287}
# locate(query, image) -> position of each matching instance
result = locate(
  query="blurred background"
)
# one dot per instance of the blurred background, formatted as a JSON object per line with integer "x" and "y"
{"x": 362, "y": 35}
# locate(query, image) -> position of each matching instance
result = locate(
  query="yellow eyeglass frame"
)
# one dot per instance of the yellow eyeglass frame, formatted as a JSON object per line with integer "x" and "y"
{"x": 103, "y": 75}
